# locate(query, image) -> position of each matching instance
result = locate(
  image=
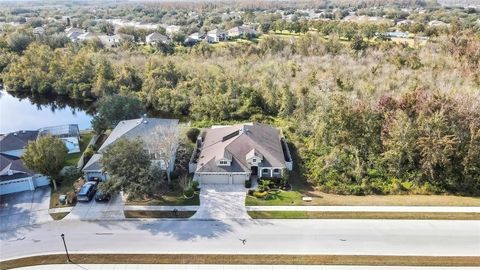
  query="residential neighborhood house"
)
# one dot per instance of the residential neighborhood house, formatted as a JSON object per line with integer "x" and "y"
{"x": 73, "y": 33}
{"x": 14, "y": 176}
{"x": 38, "y": 31}
{"x": 140, "y": 128}
{"x": 241, "y": 31}
{"x": 233, "y": 154}
{"x": 69, "y": 134}
{"x": 216, "y": 35}
{"x": 194, "y": 38}
{"x": 156, "y": 37}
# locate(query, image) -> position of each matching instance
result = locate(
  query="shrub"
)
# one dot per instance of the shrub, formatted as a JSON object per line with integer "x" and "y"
{"x": 264, "y": 185}
{"x": 71, "y": 197}
{"x": 260, "y": 194}
{"x": 192, "y": 134}
{"x": 250, "y": 192}
{"x": 248, "y": 183}
{"x": 88, "y": 153}
{"x": 195, "y": 185}
{"x": 71, "y": 173}
{"x": 189, "y": 192}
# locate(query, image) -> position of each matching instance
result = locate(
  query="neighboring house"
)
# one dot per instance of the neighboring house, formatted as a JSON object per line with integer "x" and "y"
{"x": 73, "y": 33}
{"x": 241, "y": 31}
{"x": 14, "y": 176}
{"x": 87, "y": 36}
{"x": 405, "y": 22}
{"x": 437, "y": 23}
{"x": 397, "y": 34}
{"x": 115, "y": 40}
{"x": 38, "y": 31}
{"x": 156, "y": 37}
{"x": 216, "y": 35}
{"x": 233, "y": 154}
{"x": 69, "y": 134}
{"x": 172, "y": 29}
{"x": 194, "y": 38}
{"x": 129, "y": 129}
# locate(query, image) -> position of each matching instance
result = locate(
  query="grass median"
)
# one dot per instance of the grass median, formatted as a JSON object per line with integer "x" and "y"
{"x": 362, "y": 215}
{"x": 158, "y": 214}
{"x": 370, "y": 260}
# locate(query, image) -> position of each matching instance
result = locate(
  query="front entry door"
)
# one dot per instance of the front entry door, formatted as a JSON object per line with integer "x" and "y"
{"x": 254, "y": 170}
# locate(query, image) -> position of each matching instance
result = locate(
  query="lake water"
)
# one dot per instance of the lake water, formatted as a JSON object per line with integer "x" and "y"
{"x": 34, "y": 112}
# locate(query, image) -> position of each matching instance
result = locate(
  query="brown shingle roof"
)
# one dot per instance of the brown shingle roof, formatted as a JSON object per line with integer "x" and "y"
{"x": 263, "y": 138}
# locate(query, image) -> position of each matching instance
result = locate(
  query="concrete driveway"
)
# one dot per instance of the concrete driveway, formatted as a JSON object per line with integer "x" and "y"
{"x": 111, "y": 210}
{"x": 24, "y": 208}
{"x": 222, "y": 202}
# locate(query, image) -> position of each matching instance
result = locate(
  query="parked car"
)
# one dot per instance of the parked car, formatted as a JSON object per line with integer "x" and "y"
{"x": 102, "y": 196}
{"x": 87, "y": 191}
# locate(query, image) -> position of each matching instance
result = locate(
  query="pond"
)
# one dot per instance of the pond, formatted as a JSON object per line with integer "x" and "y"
{"x": 27, "y": 112}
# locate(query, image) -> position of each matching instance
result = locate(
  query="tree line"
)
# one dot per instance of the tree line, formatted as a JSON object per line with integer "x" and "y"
{"x": 365, "y": 117}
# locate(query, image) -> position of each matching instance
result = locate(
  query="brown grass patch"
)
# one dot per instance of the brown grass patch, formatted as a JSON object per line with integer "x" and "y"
{"x": 245, "y": 259}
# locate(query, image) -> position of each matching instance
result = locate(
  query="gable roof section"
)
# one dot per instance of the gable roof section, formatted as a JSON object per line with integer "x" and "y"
{"x": 15, "y": 165}
{"x": 17, "y": 140}
{"x": 135, "y": 128}
{"x": 155, "y": 36}
{"x": 94, "y": 163}
{"x": 260, "y": 138}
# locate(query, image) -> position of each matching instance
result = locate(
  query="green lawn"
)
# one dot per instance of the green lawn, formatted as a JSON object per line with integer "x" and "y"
{"x": 72, "y": 159}
{"x": 319, "y": 198}
{"x": 167, "y": 200}
{"x": 59, "y": 216}
{"x": 361, "y": 215}
{"x": 158, "y": 214}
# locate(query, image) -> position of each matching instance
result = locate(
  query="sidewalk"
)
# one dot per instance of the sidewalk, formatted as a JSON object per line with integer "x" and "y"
{"x": 409, "y": 209}
{"x": 60, "y": 210}
{"x": 226, "y": 267}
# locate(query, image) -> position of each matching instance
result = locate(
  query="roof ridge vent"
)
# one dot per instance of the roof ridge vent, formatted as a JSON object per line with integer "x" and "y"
{"x": 231, "y": 135}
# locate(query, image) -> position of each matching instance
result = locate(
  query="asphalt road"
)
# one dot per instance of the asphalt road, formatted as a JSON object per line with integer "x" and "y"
{"x": 359, "y": 237}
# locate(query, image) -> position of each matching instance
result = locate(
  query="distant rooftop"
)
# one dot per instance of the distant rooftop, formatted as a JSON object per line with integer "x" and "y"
{"x": 62, "y": 131}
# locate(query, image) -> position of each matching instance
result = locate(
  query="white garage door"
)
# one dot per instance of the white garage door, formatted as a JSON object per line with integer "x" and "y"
{"x": 41, "y": 181}
{"x": 13, "y": 186}
{"x": 239, "y": 179}
{"x": 214, "y": 179}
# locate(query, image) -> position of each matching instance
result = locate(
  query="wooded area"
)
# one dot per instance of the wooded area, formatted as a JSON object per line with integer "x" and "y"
{"x": 366, "y": 116}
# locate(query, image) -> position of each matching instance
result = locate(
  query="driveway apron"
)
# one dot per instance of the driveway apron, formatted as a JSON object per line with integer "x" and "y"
{"x": 111, "y": 210}
{"x": 25, "y": 208}
{"x": 222, "y": 202}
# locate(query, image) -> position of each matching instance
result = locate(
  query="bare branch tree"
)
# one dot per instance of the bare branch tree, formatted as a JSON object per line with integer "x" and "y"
{"x": 163, "y": 144}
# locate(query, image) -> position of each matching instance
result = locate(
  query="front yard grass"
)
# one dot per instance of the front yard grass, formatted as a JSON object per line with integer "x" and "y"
{"x": 72, "y": 159}
{"x": 59, "y": 216}
{"x": 362, "y": 215}
{"x": 170, "y": 199}
{"x": 158, "y": 214}
{"x": 320, "y": 198}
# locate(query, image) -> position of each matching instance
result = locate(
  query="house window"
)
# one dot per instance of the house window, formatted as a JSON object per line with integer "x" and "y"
{"x": 223, "y": 162}
{"x": 276, "y": 170}
{"x": 254, "y": 160}
{"x": 265, "y": 170}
